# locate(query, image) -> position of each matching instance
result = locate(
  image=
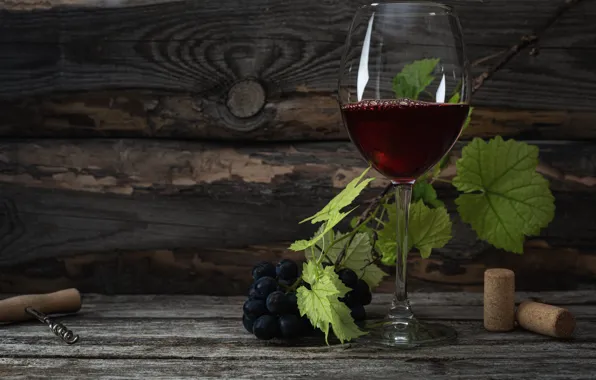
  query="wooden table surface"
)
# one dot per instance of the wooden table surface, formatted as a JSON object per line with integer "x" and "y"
{"x": 173, "y": 337}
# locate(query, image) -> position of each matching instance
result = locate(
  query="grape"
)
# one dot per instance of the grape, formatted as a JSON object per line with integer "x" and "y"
{"x": 247, "y": 322}
{"x": 286, "y": 283}
{"x": 252, "y": 292}
{"x": 254, "y": 308}
{"x": 277, "y": 303}
{"x": 290, "y": 326}
{"x": 307, "y": 326}
{"x": 287, "y": 270}
{"x": 348, "y": 277}
{"x": 351, "y": 299}
{"x": 358, "y": 312}
{"x": 293, "y": 302}
{"x": 263, "y": 287}
{"x": 266, "y": 327}
{"x": 363, "y": 293}
{"x": 263, "y": 269}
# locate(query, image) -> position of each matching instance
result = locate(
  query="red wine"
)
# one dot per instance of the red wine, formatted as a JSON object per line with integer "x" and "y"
{"x": 402, "y": 139}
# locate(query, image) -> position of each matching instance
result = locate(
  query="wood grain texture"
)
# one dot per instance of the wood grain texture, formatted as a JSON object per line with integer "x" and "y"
{"x": 130, "y": 167}
{"x": 304, "y": 117}
{"x": 329, "y": 19}
{"x": 136, "y": 216}
{"x": 227, "y": 271}
{"x": 190, "y": 55}
{"x": 140, "y": 337}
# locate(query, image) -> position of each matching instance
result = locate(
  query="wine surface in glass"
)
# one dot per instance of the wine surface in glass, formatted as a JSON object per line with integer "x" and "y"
{"x": 404, "y": 138}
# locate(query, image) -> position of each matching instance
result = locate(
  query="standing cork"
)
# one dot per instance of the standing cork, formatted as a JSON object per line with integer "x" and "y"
{"x": 546, "y": 319}
{"x": 499, "y": 299}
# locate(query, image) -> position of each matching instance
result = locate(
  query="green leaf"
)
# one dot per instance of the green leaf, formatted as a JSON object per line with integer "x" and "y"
{"x": 428, "y": 229}
{"x": 454, "y": 98}
{"x": 414, "y": 78}
{"x": 322, "y": 244}
{"x": 332, "y": 213}
{"x": 403, "y": 89}
{"x": 358, "y": 256}
{"x": 425, "y": 192}
{"x": 468, "y": 119}
{"x": 506, "y": 199}
{"x": 321, "y": 303}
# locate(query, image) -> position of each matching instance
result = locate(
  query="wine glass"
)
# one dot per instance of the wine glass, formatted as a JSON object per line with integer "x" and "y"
{"x": 404, "y": 94}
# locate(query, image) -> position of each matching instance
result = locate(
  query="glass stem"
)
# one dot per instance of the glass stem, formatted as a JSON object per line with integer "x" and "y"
{"x": 400, "y": 308}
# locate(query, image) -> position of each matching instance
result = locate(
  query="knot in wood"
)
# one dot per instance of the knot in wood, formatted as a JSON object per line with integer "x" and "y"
{"x": 246, "y": 98}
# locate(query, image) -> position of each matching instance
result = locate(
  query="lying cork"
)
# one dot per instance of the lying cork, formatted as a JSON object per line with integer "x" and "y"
{"x": 499, "y": 299}
{"x": 545, "y": 319}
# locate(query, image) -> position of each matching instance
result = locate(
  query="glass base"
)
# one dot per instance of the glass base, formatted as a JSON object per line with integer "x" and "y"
{"x": 409, "y": 333}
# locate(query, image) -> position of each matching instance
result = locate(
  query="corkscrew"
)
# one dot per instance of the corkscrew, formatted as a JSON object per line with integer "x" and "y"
{"x": 26, "y": 307}
{"x": 58, "y": 328}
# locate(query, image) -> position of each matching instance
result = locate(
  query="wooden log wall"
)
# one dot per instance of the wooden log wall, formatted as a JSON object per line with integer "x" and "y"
{"x": 165, "y": 146}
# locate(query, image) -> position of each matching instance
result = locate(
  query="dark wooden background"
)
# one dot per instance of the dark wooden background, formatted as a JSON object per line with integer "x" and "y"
{"x": 165, "y": 146}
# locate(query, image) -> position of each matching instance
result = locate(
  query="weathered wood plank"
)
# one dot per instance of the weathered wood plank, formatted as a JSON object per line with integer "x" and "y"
{"x": 131, "y": 167}
{"x": 146, "y": 216}
{"x": 303, "y": 117}
{"x": 157, "y": 306}
{"x": 139, "y": 319}
{"x": 287, "y": 69}
{"x": 370, "y": 368}
{"x": 227, "y": 339}
{"x": 128, "y": 20}
{"x": 226, "y": 271}
{"x": 290, "y": 49}
{"x": 195, "y": 337}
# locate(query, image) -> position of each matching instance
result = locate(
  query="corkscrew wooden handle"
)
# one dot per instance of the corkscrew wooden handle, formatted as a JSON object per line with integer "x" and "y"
{"x": 64, "y": 301}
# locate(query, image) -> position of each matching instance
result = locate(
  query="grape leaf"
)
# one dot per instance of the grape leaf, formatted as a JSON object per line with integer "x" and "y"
{"x": 428, "y": 228}
{"x": 331, "y": 214}
{"x": 424, "y": 191}
{"x": 358, "y": 256}
{"x": 321, "y": 304}
{"x": 414, "y": 78}
{"x": 505, "y": 198}
{"x": 403, "y": 89}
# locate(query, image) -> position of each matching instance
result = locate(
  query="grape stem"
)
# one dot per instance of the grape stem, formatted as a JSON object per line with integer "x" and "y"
{"x": 295, "y": 284}
{"x": 346, "y": 236}
{"x": 374, "y": 204}
{"x": 524, "y": 42}
{"x": 360, "y": 223}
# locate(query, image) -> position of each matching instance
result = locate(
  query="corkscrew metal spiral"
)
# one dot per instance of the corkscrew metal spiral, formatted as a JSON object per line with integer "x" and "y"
{"x": 57, "y": 328}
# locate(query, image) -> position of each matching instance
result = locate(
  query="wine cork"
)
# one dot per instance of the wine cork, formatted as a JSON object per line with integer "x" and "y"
{"x": 545, "y": 319}
{"x": 499, "y": 299}
{"x": 64, "y": 301}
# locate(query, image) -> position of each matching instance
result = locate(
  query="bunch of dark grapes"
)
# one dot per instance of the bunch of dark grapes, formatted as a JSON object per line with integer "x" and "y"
{"x": 358, "y": 297}
{"x": 271, "y": 310}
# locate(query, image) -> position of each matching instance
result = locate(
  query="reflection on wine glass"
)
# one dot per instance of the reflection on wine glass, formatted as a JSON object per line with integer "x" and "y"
{"x": 404, "y": 94}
